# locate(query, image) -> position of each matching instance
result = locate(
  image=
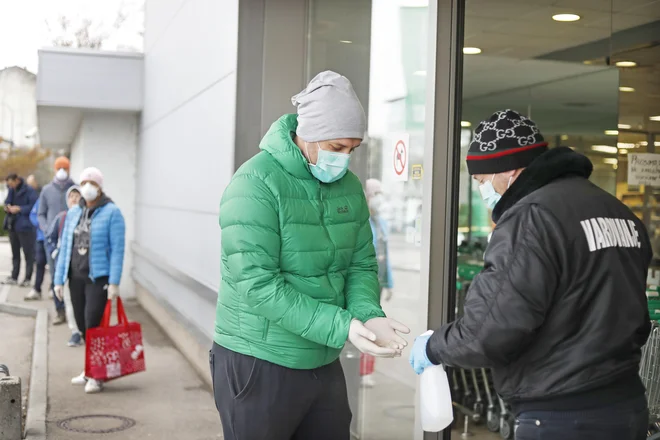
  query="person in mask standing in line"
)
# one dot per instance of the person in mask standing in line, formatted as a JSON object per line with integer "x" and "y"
{"x": 53, "y": 241}
{"x": 559, "y": 312}
{"x": 379, "y": 230}
{"x": 91, "y": 257}
{"x": 40, "y": 249}
{"x": 52, "y": 201}
{"x": 299, "y": 276}
{"x": 21, "y": 197}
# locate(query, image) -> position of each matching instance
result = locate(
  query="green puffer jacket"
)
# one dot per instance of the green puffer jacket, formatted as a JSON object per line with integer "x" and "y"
{"x": 298, "y": 261}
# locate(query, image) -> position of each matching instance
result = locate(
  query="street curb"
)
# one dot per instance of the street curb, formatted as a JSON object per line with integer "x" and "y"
{"x": 35, "y": 421}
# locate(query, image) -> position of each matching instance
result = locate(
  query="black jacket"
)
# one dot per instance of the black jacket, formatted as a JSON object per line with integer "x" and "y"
{"x": 25, "y": 197}
{"x": 559, "y": 312}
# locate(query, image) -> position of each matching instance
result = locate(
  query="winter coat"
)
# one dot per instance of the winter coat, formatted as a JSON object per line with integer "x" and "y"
{"x": 35, "y": 221}
{"x": 298, "y": 261}
{"x": 559, "y": 312}
{"x": 107, "y": 241}
{"x": 24, "y": 196}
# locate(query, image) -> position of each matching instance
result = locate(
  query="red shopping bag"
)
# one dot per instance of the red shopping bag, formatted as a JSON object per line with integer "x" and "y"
{"x": 367, "y": 363}
{"x": 113, "y": 352}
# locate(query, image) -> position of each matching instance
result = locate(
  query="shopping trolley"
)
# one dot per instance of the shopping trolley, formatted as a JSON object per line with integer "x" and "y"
{"x": 649, "y": 371}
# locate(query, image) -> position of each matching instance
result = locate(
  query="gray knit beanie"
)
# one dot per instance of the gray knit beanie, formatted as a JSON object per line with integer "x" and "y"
{"x": 328, "y": 109}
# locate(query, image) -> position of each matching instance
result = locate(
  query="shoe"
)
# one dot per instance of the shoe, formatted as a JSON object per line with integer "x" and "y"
{"x": 368, "y": 381}
{"x": 33, "y": 296}
{"x": 93, "y": 386}
{"x": 76, "y": 340}
{"x": 60, "y": 318}
{"x": 25, "y": 283}
{"x": 79, "y": 380}
{"x": 9, "y": 281}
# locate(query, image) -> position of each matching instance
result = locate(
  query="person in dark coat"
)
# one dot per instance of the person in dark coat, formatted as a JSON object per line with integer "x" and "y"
{"x": 559, "y": 312}
{"x": 21, "y": 197}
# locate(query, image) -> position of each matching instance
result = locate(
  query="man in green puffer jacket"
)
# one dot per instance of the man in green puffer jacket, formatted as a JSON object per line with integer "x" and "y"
{"x": 299, "y": 276}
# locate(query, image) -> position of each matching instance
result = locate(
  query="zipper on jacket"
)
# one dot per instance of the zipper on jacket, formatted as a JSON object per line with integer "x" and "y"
{"x": 325, "y": 229}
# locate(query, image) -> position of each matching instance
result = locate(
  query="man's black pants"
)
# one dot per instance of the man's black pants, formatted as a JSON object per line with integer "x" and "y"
{"x": 25, "y": 240}
{"x": 88, "y": 300}
{"x": 258, "y": 400}
{"x": 627, "y": 420}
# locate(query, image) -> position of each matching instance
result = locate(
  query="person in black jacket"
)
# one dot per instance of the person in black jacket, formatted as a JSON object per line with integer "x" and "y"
{"x": 559, "y": 312}
{"x": 22, "y": 234}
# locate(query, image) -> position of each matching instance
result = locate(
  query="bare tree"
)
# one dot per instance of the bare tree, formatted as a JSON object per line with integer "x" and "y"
{"x": 72, "y": 30}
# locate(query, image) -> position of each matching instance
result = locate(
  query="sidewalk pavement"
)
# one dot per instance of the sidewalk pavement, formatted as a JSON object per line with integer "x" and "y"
{"x": 168, "y": 401}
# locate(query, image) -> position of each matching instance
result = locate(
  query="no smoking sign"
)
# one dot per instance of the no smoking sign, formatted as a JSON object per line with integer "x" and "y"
{"x": 400, "y": 155}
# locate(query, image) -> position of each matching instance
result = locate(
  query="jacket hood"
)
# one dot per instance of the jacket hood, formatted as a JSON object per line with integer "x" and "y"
{"x": 278, "y": 142}
{"x": 554, "y": 164}
{"x": 104, "y": 200}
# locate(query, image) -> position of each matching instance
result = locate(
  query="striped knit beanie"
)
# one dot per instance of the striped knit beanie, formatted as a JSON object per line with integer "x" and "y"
{"x": 506, "y": 141}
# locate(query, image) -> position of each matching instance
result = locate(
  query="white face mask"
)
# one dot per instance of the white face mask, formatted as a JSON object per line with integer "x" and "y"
{"x": 89, "y": 192}
{"x": 61, "y": 174}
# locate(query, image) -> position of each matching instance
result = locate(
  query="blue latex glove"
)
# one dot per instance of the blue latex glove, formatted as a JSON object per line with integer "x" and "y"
{"x": 418, "y": 358}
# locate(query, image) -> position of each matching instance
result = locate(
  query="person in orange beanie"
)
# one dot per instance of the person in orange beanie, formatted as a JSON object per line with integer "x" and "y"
{"x": 52, "y": 201}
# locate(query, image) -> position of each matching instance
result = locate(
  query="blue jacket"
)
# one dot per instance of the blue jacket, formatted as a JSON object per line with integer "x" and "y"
{"x": 106, "y": 254}
{"x": 35, "y": 220}
{"x": 24, "y": 196}
{"x": 385, "y": 279}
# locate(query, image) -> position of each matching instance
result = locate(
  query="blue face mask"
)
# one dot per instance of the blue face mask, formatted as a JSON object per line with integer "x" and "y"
{"x": 488, "y": 193}
{"x": 330, "y": 166}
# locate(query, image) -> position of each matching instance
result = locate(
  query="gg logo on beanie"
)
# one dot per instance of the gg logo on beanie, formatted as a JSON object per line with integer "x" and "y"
{"x": 506, "y": 141}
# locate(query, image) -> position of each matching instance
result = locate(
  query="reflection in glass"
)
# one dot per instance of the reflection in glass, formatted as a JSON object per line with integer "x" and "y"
{"x": 381, "y": 46}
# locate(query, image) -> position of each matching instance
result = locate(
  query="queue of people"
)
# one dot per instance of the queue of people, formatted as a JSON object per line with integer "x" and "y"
{"x": 79, "y": 233}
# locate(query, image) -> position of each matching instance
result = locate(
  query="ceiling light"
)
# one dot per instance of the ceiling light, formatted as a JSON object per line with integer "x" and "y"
{"x": 471, "y": 50}
{"x": 625, "y": 145}
{"x": 466, "y": 124}
{"x": 605, "y": 149}
{"x": 610, "y": 161}
{"x": 612, "y": 132}
{"x": 626, "y": 64}
{"x": 626, "y": 89}
{"x": 655, "y": 118}
{"x": 623, "y": 151}
{"x": 566, "y": 17}
{"x": 625, "y": 126}
{"x": 420, "y": 73}
{"x": 345, "y": 41}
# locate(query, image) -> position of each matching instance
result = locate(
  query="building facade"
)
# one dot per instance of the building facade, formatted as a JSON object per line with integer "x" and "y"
{"x": 18, "y": 113}
{"x": 170, "y": 127}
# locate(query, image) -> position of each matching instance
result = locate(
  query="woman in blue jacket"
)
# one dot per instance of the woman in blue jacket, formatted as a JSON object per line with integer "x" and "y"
{"x": 91, "y": 257}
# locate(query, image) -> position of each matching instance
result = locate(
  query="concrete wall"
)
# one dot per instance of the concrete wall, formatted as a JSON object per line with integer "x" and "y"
{"x": 186, "y": 153}
{"x": 108, "y": 141}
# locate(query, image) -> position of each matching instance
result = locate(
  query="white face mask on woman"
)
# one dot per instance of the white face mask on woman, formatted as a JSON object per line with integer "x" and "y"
{"x": 89, "y": 192}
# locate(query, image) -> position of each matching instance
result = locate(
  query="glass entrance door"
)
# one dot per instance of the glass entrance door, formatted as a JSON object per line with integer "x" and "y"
{"x": 381, "y": 46}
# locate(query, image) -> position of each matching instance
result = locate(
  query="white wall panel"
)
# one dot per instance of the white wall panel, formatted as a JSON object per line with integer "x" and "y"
{"x": 197, "y": 50}
{"x": 186, "y": 153}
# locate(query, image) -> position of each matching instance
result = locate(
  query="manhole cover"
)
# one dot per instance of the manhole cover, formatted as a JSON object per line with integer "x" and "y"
{"x": 96, "y": 424}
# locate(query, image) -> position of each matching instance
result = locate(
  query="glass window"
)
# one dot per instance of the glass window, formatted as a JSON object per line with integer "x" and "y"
{"x": 381, "y": 46}
{"x": 590, "y": 82}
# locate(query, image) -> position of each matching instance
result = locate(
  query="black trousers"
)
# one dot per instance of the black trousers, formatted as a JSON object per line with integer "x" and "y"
{"x": 258, "y": 400}
{"x": 40, "y": 259}
{"x": 88, "y": 300}
{"x": 624, "y": 421}
{"x": 25, "y": 240}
